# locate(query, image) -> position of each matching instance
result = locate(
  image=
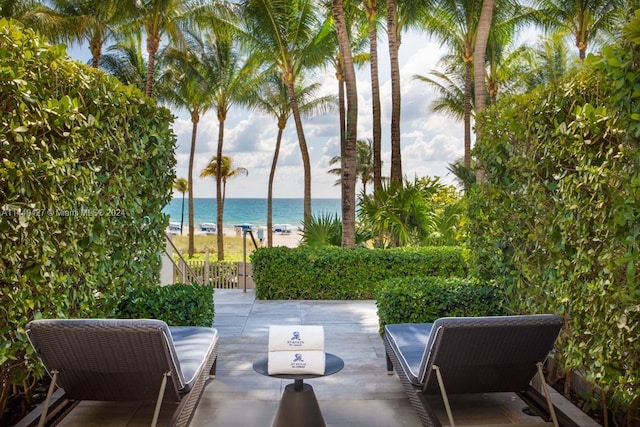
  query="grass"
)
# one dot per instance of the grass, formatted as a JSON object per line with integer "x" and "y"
{"x": 232, "y": 246}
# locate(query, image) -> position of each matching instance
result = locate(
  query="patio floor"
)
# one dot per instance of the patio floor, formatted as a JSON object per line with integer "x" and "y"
{"x": 362, "y": 394}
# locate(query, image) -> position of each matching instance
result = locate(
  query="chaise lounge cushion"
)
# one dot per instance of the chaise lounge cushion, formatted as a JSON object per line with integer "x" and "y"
{"x": 191, "y": 345}
{"x": 409, "y": 342}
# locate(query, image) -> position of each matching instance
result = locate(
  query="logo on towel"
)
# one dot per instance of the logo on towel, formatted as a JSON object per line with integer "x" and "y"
{"x": 298, "y": 363}
{"x": 295, "y": 340}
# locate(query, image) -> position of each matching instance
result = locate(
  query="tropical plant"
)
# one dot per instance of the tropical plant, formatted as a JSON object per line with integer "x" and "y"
{"x": 181, "y": 185}
{"x": 397, "y": 215}
{"x": 324, "y": 229}
{"x": 289, "y": 36}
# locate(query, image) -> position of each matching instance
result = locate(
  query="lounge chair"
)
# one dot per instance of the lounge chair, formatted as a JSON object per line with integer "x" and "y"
{"x": 472, "y": 355}
{"x": 125, "y": 360}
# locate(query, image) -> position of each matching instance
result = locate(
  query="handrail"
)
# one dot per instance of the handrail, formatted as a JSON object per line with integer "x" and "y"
{"x": 187, "y": 269}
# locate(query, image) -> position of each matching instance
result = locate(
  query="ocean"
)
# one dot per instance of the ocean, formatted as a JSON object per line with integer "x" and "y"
{"x": 252, "y": 211}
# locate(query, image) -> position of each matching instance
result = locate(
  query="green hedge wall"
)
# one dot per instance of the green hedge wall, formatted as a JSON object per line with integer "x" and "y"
{"x": 425, "y": 299}
{"x": 557, "y": 221}
{"x": 87, "y": 166}
{"x": 340, "y": 274}
{"x": 180, "y": 304}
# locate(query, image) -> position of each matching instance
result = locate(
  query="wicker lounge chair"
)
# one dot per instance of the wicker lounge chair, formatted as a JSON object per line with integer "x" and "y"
{"x": 472, "y": 355}
{"x": 124, "y": 360}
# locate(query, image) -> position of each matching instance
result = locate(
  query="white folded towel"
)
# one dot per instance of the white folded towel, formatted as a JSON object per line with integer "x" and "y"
{"x": 296, "y": 362}
{"x": 296, "y": 337}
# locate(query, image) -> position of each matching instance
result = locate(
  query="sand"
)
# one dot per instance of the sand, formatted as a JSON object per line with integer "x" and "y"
{"x": 290, "y": 240}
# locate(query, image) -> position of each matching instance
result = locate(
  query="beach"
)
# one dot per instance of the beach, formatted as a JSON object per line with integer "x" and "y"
{"x": 290, "y": 240}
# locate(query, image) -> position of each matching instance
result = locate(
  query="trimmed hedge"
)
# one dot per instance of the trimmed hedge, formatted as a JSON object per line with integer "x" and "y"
{"x": 180, "y": 304}
{"x": 341, "y": 274}
{"x": 86, "y": 166}
{"x": 425, "y": 299}
{"x": 557, "y": 220}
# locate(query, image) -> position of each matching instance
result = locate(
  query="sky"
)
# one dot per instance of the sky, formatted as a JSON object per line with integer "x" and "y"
{"x": 429, "y": 141}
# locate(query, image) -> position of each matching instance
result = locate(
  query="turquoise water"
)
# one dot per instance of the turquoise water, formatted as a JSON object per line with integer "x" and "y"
{"x": 252, "y": 211}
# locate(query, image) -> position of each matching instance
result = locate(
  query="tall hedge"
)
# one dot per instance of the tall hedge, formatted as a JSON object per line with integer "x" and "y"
{"x": 342, "y": 274}
{"x": 87, "y": 166}
{"x": 558, "y": 219}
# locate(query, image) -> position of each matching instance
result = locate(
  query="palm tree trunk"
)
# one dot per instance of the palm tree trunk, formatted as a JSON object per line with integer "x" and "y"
{"x": 467, "y": 113}
{"x": 371, "y": 11}
{"x": 306, "y": 163}
{"x": 153, "y": 43}
{"x": 272, "y": 174}
{"x": 182, "y": 216}
{"x": 195, "y": 118}
{"x": 349, "y": 150}
{"x": 479, "y": 53}
{"x": 394, "y": 45}
{"x": 219, "y": 197}
{"x": 341, "y": 104}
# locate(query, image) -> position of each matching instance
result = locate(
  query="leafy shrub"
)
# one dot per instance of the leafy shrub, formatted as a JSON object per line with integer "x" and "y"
{"x": 425, "y": 299}
{"x": 180, "y": 304}
{"x": 557, "y": 221}
{"x": 87, "y": 166}
{"x": 336, "y": 273}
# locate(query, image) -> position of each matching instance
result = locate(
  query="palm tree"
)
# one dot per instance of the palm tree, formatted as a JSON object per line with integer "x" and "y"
{"x": 455, "y": 23}
{"x": 225, "y": 166}
{"x": 235, "y": 82}
{"x": 273, "y": 99}
{"x": 449, "y": 84}
{"x": 584, "y": 19}
{"x": 371, "y": 12}
{"x": 189, "y": 82}
{"x": 289, "y": 36}
{"x": 348, "y": 148}
{"x": 401, "y": 14}
{"x": 479, "y": 52}
{"x": 172, "y": 18}
{"x": 94, "y": 22}
{"x": 181, "y": 185}
{"x": 125, "y": 61}
{"x": 364, "y": 163}
{"x": 547, "y": 62}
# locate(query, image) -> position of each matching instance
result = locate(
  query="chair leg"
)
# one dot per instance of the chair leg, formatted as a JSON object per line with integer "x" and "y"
{"x": 389, "y": 364}
{"x": 160, "y": 398}
{"x": 47, "y": 402}
{"x": 547, "y": 395}
{"x": 445, "y": 399}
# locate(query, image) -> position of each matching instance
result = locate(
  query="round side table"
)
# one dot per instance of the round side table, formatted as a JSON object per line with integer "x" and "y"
{"x": 298, "y": 405}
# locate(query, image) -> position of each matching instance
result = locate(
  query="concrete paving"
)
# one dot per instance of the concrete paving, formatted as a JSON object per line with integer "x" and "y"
{"x": 361, "y": 395}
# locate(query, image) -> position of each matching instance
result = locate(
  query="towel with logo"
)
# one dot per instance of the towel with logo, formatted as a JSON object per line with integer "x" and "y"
{"x": 308, "y": 362}
{"x": 296, "y": 337}
{"x": 296, "y": 349}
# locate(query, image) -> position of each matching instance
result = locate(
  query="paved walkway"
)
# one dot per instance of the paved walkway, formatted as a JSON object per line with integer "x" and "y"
{"x": 362, "y": 394}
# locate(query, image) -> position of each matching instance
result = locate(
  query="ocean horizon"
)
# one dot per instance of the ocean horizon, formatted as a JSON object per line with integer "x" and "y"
{"x": 250, "y": 210}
